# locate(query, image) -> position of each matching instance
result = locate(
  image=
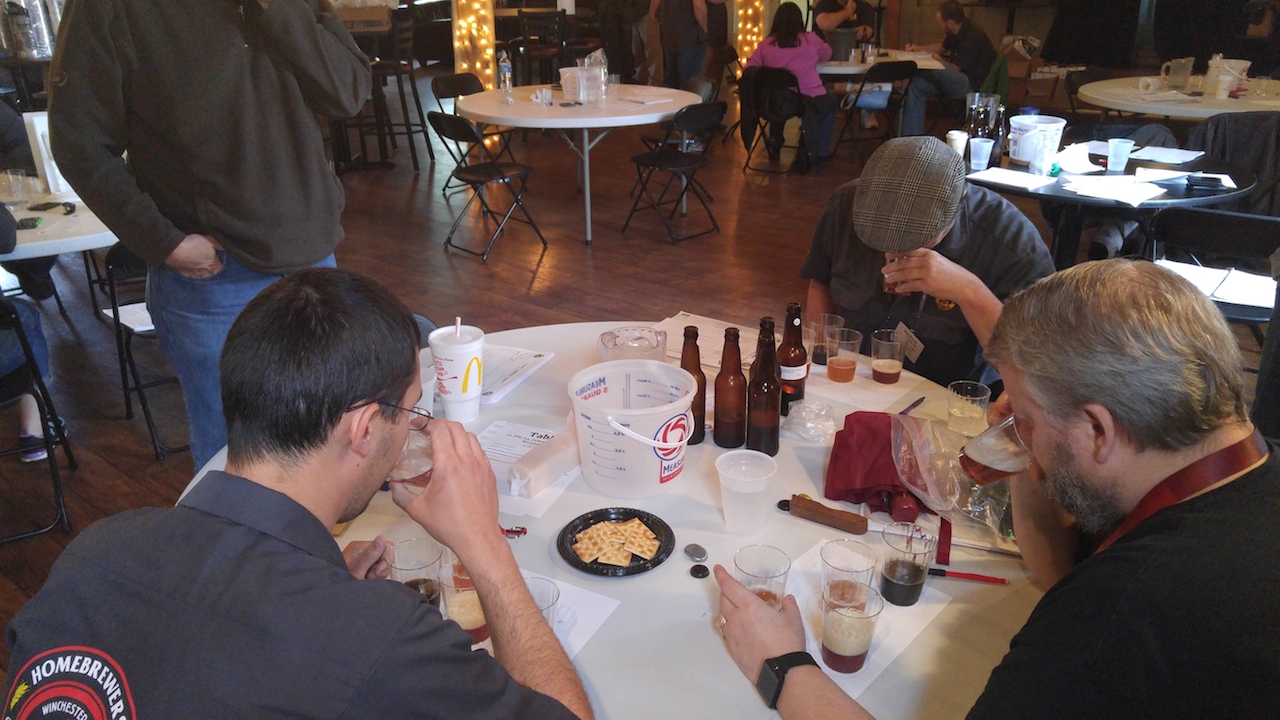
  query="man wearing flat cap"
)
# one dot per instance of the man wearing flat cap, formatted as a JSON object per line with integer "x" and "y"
{"x": 910, "y": 245}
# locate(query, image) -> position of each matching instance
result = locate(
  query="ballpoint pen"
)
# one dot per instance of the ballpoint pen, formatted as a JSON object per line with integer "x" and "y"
{"x": 907, "y": 410}
{"x": 939, "y": 572}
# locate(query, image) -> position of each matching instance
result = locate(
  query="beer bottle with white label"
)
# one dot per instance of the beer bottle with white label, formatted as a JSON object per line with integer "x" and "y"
{"x": 691, "y": 361}
{"x": 793, "y": 361}
{"x": 730, "y": 428}
{"x": 764, "y": 394}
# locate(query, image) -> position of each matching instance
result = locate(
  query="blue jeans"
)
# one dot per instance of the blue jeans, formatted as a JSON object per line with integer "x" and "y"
{"x": 192, "y": 318}
{"x": 685, "y": 64}
{"x": 11, "y": 355}
{"x": 936, "y": 83}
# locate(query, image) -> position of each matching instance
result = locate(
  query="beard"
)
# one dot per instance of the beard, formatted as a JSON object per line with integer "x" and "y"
{"x": 1096, "y": 509}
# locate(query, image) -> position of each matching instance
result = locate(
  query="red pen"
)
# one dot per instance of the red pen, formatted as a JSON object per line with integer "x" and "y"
{"x": 939, "y": 572}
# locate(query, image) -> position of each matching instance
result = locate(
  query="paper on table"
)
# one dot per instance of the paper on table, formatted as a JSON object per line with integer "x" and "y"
{"x": 1013, "y": 178}
{"x": 644, "y": 95}
{"x": 1227, "y": 285}
{"x": 1158, "y": 175}
{"x": 896, "y": 627}
{"x": 862, "y": 392}
{"x": 710, "y": 338}
{"x": 507, "y": 367}
{"x": 1171, "y": 156}
{"x": 1227, "y": 182}
{"x": 1074, "y": 159}
{"x": 1121, "y": 188}
{"x": 1172, "y": 96}
{"x": 504, "y": 443}
{"x": 579, "y": 614}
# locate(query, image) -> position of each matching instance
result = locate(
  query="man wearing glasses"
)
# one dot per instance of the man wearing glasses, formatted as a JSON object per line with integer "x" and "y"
{"x": 238, "y": 603}
{"x": 1152, "y": 524}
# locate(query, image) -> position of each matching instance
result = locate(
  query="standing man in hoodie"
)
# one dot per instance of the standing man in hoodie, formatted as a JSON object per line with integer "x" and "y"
{"x": 226, "y": 186}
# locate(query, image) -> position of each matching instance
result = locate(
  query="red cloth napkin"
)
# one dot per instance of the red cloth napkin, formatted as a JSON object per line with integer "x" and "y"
{"x": 862, "y": 469}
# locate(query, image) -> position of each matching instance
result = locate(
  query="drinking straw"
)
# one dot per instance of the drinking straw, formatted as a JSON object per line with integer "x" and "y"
{"x": 457, "y": 327}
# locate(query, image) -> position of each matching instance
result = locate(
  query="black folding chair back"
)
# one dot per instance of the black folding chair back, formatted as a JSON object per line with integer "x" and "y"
{"x": 461, "y": 135}
{"x": 26, "y": 380}
{"x": 1227, "y": 237}
{"x": 452, "y": 87}
{"x": 898, "y": 75}
{"x": 691, "y": 129}
{"x": 766, "y": 96}
{"x": 126, "y": 270}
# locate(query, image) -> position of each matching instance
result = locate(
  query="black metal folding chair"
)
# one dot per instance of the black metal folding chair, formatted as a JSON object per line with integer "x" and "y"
{"x": 131, "y": 319}
{"x": 682, "y": 161}
{"x": 872, "y": 96}
{"x": 767, "y": 97}
{"x": 462, "y": 135}
{"x": 26, "y": 380}
{"x": 452, "y": 87}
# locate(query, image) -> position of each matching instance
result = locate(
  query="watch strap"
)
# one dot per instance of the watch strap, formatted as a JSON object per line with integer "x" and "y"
{"x": 774, "y": 672}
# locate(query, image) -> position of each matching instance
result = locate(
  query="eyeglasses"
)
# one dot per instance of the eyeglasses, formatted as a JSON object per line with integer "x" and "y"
{"x": 418, "y": 418}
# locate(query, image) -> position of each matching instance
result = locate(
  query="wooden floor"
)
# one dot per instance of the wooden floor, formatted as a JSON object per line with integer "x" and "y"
{"x": 396, "y": 222}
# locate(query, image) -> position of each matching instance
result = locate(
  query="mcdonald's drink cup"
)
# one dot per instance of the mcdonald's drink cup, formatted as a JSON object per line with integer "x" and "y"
{"x": 459, "y": 359}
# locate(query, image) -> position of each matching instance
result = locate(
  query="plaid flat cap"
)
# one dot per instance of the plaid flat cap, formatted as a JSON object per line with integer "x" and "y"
{"x": 909, "y": 191}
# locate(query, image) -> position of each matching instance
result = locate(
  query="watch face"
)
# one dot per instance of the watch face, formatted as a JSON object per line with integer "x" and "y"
{"x": 769, "y": 684}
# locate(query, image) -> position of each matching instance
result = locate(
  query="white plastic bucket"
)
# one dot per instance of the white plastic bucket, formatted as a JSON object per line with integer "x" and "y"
{"x": 1021, "y": 129}
{"x": 633, "y": 425}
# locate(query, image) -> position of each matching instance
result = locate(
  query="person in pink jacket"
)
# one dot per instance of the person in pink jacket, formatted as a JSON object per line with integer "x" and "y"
{"x": 789, "y": 46}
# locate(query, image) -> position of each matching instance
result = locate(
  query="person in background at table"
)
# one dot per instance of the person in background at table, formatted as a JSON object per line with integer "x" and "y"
{"x": 616, "y": 21}
{"x": 683, "y": 26}
{"x": 718, "y": 49}
{"x": 646, "y": 45}
{"x": 30, "y": 430}
{"x": 237, "y": 603}
{"x": 911, "y": 242}
{"x": 844, "y": 14}
{"x": 226, "y": 187}
{"x": 1152, "y": 524}
{"x": 968, "y": 57}
{"x": 789, "y": 46}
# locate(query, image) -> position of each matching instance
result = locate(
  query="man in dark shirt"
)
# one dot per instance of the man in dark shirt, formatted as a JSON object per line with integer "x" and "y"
{"x": 1126, "y": 385}
{"x": 950, "y": 253}
{"x": 226, "y": 187}
{"x": 683, "y": 26}
{"x": 236, "y": 603}
{"x": 844, "y": 14}
{"x": 967, "y": 53}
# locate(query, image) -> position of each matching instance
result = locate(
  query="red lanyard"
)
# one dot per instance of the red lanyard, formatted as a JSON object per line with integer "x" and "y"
{"x": 1203, "y": 473}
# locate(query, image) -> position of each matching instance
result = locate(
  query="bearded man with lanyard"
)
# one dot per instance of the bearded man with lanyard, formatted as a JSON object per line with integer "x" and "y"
{"x": 1152, "y": 523}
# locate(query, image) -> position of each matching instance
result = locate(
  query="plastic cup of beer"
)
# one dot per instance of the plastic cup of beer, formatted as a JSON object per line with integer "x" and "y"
{"x": 967, "y": 407}
{"x": 744, "y": 483}
{"x": 822, "y": 325}
{"x": 762, "y": 569}
{"x": 847, "y": 561}
{"x": 416, "y": 563}
{"x": 886, "y": 356}
{"x": 546, "y": 594}
{"x": 461, "y": 603}
{"x": 909, "y": 554}
{"x": 842, "y": 362}
{"x": 849, "y": 613}
{"x": 459, "y": 358}
{"x": 995, "y": 454}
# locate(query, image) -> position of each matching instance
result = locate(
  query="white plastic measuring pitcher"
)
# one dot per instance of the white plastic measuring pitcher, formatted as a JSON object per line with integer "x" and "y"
{"x": 633, "y": 425}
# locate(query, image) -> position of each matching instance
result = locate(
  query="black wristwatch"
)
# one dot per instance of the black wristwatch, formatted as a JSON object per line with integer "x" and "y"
{"x": 774, "y": 671}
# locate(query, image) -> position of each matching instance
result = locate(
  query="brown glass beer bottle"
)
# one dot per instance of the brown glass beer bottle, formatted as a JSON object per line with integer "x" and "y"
{"x": 793, "y": 361}
{"x": 691, "y": 361}
{"x": 764, "y": 394}
{"x": 730, "y": 428}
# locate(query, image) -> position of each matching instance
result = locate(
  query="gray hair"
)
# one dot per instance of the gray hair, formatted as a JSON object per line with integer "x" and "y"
{"x": 1132, "y": 337}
